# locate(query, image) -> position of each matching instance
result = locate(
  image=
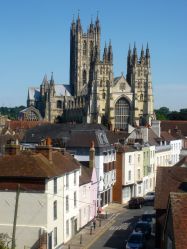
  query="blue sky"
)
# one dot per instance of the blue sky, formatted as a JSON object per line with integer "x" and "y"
{"x": 34, "y": 40}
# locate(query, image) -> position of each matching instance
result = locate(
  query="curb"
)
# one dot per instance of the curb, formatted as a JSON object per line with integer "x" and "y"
{"x": 100, "y": 233}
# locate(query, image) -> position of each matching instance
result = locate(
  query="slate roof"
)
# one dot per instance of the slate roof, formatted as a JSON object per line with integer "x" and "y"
{"x": 34, "y": 93}
{"x": 116, "y": 137}
{"x": 84, "y": 139}
{"x": 60, "y": 90}
{"x": 169, "y": 179}
{"x": 58, "y": 131}
{"x": 152, "y": 138}
{"x": 86, "y": 175}
{"x": 178, "y": 202}
{"x": 182, "y": 162}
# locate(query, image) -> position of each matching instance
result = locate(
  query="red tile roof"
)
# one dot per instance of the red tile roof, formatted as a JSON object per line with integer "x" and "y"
{"x": 175, "y": 126}
{"x": 169, "y": 179}
{"x": 179, "y": 215}
{"x": 34, "y": 166}
{"x": 19, "y": 124}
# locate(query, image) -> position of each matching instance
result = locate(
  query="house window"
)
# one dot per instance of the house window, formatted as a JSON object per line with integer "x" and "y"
{"x": 75, "y": 178}
{"x": 139, "y": 190}
{"x": 67, "y": 227}
{"x": 67, "y": 181}
{"x": 138, "y": 157}
{"x": 129, "y": 175}
{"x": 55, "y": 185}
{"x": 55, "y": 210}
{"x": 84, "y": 191}
{"x": 67, "y": 203}
{"x": 138, "y": 173}
{"x": 75, "y": 199}
{"x": 130, "y": 159}
{"x": 55, "y": 236}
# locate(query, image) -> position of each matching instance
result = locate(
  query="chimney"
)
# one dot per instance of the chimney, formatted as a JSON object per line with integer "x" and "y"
{"x": 12, "y": 147}
{"x": 92, "y": 155}
{"x": 156, "y": 127}
{"x": 45, "y": 148}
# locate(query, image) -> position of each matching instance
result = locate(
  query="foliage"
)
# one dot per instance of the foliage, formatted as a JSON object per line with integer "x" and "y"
{"x": 164, "y": 113}
{"x": 4, "y": 241}
{"x": 11, "y": 112}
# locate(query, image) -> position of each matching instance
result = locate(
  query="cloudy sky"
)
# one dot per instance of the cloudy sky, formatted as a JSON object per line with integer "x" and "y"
{"x": 35, "y": 40}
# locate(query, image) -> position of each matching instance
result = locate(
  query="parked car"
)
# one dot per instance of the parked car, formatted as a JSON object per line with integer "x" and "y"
{"x": 148, "y": 217}
{"x": 144, "y": 227}
{"x": 136, "y": 202}
{"x": 136, "y": 240}
{"x": 151, "y": 219}
{"x": 150, "y": 196}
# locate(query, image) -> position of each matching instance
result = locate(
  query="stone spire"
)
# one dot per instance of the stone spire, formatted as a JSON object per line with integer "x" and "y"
{"x": 110, "y": 53}
{"x": 135, "y": 56}
{"x": 78, "y": 24}
{"x": 105, "y": 54}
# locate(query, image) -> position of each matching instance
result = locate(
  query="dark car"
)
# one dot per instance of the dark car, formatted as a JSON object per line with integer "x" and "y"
{"x": 136, "y": 202}
{"x": 136, "y": 240}
{"x": 144, "y": 227}
{"x": 148, "y": 217}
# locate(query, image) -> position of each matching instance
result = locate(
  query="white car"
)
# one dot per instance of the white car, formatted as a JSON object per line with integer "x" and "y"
{"x": 150, "y": 196}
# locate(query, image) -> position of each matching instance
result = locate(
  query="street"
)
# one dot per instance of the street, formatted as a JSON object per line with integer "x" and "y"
{"x": 116, "y": 236}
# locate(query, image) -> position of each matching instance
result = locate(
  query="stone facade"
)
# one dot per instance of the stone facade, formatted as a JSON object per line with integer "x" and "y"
{"x": 94, "y": 95}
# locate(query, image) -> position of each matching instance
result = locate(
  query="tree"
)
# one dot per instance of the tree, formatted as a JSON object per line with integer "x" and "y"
{"x": 4, "y": 241}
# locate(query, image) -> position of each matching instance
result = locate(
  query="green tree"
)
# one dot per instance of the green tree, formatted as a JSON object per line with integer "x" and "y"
{"x": 11, "y": 112}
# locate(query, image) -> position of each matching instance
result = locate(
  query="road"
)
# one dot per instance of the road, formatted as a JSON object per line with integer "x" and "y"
{"x": 116, "y": 235}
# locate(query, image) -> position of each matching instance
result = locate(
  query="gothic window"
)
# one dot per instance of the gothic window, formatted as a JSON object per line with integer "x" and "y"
{"x": 91, "y": 48}
{"x": 101, "y": 83}
{"x": 31, "y": 115}
{"x": 84, "y": 77}
{"x": 101, "y": 70}
{"x": 84, "y": 48}
{"x": 59, "y": 104}
{"x": 141, "y": 97}
{"x": 104, "y": 95}
{"x": 122, "y": 114}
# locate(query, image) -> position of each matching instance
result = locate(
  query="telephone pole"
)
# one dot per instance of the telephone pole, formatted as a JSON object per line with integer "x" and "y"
{"x": 15, "y": 218}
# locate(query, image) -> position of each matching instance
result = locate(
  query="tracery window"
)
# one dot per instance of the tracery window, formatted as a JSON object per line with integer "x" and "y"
{"x": 59, "y": 104}
{"x": 84, "y": 77}
{"x": 91, "y": 48}
{"x": 84, "y": 48}
{"x": 32, "y": 116}
{"x": 122, "y": 114}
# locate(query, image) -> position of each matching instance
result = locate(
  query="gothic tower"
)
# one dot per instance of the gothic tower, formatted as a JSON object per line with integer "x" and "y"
{"x": 139, "y": 77}
{"x": 82, "y": 48}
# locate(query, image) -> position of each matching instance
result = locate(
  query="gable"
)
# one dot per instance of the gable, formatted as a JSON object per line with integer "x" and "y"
{"x": 121, "y": 85}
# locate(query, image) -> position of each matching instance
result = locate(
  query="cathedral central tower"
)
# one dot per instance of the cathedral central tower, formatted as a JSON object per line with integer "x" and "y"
{"x": 83, "y": 48}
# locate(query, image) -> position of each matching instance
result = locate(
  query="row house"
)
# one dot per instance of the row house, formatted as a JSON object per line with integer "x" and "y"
{"x": 49, "y": 186}
{"x": 88, "y": 190}
{"x": 79, "y": 145}
{"x": 129, "y": 173}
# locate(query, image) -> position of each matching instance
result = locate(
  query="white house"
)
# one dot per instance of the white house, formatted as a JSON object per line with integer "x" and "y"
{"x": 105, "y": 157}
{"x": 39, "y": 183}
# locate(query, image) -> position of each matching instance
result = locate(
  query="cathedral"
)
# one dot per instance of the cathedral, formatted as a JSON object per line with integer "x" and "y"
{"x": 94, "y": 95}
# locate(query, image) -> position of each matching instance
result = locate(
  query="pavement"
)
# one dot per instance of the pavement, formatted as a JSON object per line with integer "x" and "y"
{"x": 87, "y": 236}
